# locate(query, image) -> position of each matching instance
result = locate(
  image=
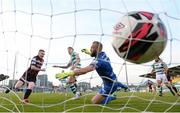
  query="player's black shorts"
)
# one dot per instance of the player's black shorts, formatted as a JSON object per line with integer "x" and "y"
{"x": 27, "y": 77}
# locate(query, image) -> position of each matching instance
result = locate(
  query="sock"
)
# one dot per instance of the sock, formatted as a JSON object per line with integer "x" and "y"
{"x": 160, "y": 90}
{"x": 13, "y": 89}
{"x": 108, "y": 99}
{"x": 27, "y": 93}
{"x": 73, "y": 88}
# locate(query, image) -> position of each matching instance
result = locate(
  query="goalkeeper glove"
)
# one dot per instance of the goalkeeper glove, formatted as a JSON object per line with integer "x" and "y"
{"x": 64, "y": 75}
{"x": 86, "y": 51}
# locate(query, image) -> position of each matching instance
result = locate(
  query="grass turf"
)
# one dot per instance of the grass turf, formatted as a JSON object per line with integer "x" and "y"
{"x": 59, "y": 102}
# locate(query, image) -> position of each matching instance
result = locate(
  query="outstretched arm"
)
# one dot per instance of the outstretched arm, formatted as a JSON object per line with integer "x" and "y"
{"x": 152, "y": 72}
{"x": 84, "y": 70}
{"x": 68, "y": 65}
{"x": 75, "y": 72}
{"x": 36, "y": 69}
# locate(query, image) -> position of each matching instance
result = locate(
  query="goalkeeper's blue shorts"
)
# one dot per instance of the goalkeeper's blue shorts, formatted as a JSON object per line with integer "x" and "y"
{"x": 108, "y": 89}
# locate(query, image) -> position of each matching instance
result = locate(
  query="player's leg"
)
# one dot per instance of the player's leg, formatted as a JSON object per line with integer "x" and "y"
{"x": 97, "y": 99}
{"x": 170, "y": 87}
{"x": 150, "y": 88}
{"x": 159, "y": 87}
{"x": 72, "y": 84}
{"x": 175, "y": 89}
{"x": 119, "y": 84}
{"x": 168, "y": 83}
{"x": 154, "y": 87}
{"x": 28, "y": 91}
{"x": 159, "y": 84}
{"x": 104, "y": 96}
{"x": 108, "y": 98}
{"x": 18, "y": 84}
{"x": 102, "y": 99}
{"x": 73, "y": 87}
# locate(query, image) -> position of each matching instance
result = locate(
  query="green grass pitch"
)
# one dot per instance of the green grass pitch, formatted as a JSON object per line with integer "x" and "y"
{"x": 59, "y": 102}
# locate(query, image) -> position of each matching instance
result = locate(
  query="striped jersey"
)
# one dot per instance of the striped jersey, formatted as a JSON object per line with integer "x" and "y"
{"x": 37, "y": 62}
{"x": 74, "y": 57}
{"x": 159, "y": 67}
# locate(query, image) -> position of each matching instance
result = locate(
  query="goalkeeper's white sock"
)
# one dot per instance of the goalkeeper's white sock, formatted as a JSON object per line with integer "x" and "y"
{"x": 73, "y": 88}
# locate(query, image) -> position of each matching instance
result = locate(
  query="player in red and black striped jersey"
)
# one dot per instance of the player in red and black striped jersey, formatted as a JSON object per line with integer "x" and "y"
{"x": 30, "y": 75}
{"x": 150, "y": 85}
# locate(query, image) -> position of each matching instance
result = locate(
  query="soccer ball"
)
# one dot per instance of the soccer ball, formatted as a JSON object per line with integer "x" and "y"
{"x": 139, "y": 37}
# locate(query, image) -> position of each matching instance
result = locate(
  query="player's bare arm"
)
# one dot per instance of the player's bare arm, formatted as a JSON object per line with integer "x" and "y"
{"x": 64, "y": 67}
{"x": 84, "y": 70}
{"x": 166, "y": 70}
{"x": 37, "y": 69}
{"x": 152, "y": 72}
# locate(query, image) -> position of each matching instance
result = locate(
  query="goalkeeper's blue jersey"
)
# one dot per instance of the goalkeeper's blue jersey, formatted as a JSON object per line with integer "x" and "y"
{"x": 104, "y": 69}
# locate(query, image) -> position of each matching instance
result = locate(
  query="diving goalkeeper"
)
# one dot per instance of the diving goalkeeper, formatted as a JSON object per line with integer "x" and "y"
{"x": 102, "y": 65}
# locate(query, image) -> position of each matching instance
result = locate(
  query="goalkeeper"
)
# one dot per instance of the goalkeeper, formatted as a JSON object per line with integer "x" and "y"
{"x": 74, "y": 63}
{"x": 102, "y": 65}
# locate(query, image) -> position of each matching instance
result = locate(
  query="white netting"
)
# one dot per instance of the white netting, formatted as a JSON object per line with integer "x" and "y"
{"x": 29, "y": 25}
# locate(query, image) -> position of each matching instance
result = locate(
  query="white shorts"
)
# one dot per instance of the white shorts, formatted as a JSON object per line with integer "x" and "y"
{"x": 75, "y": 77}
{"x": 161, "y": 77}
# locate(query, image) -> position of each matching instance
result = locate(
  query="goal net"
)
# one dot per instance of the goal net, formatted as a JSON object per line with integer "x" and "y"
{"x": 53, "y": 25}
